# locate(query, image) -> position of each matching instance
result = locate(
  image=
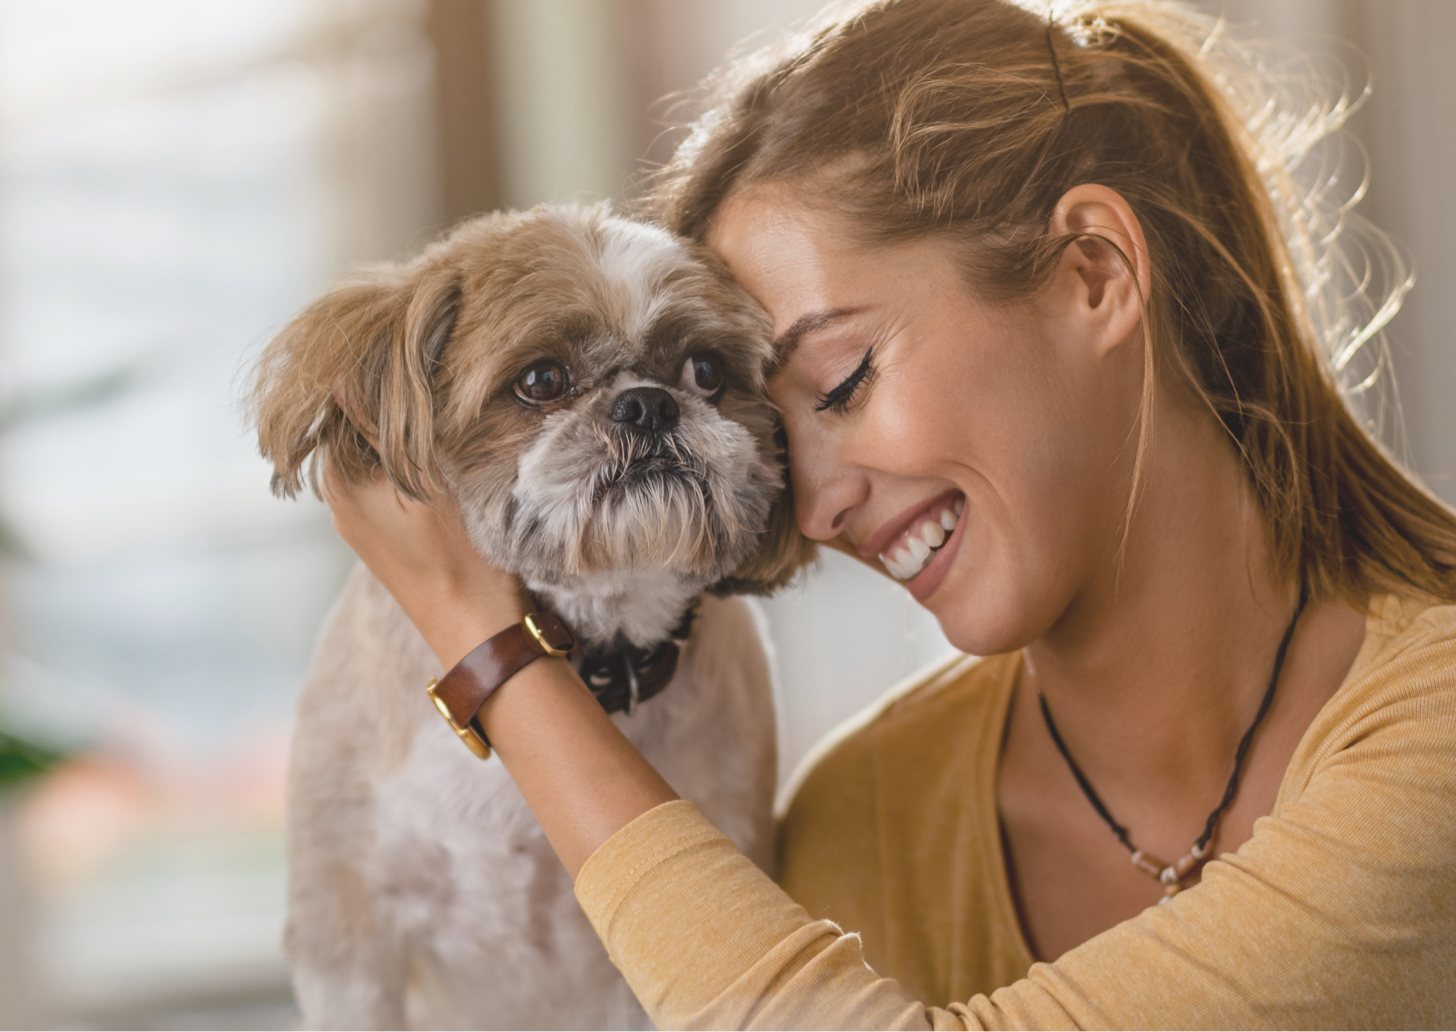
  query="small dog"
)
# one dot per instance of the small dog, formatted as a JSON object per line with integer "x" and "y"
{"x": 590, "y": 391}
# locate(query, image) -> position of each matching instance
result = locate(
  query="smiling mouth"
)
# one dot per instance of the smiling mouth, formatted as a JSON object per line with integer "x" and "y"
{"x": 912, "y": 551}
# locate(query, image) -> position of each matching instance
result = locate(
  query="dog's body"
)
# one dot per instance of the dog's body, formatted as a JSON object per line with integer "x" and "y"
{"x": 590, "y": 392}
{"x": 422, "y": 891}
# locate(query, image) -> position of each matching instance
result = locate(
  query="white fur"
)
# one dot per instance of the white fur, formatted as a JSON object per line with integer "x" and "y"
{"x": 635, "y": 257}
{"x": 643, "y": 606}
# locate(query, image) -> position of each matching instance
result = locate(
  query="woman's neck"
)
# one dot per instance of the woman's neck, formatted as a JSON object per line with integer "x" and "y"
{"x": 1153, "y": 679}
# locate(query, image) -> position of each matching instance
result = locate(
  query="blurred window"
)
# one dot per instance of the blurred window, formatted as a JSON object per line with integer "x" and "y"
{"x": 175, "y": 179}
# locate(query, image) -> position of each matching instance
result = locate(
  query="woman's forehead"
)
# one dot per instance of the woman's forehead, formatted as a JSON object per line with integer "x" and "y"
{"x": 793, "y": 258}
{"x": 761, "y": 228}
{"x": 799, "y": 260}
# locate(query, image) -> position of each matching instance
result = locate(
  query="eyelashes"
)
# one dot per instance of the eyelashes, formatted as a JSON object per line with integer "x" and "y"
{"x": 839, "y": 397}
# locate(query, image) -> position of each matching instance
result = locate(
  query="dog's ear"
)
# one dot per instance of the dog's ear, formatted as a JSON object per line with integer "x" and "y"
{"x": 349, "y": 382}
{"x": 782, "y": 551}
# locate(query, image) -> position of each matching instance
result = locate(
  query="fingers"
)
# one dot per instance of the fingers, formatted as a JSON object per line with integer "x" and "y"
{"x": 331, "y": 485}
{"x": 358, "y": 504}
{"x": 339, "y": 495}
{"x": 336, "y": 488}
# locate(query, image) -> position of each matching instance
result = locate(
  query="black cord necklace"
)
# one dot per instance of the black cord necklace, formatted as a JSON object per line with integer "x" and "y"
{"x": 1172, "y": 875}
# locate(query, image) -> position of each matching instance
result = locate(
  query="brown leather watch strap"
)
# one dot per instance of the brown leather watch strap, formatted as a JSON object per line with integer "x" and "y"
{"x": 468, "y": 684}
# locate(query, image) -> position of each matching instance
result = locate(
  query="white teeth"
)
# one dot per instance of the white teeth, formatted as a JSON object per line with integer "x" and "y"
{"x": 913, "y": 552}
{"x": 904, "y": 565}
{"x": 899, "y": 565}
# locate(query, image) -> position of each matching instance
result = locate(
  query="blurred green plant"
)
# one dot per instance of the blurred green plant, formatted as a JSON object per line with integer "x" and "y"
{"x": 21, "y": 760}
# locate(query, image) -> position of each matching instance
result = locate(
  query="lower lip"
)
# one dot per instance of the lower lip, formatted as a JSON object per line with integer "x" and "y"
{"x": 924, "y": 583}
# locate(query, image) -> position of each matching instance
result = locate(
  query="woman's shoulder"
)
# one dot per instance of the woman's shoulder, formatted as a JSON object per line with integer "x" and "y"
{"x": 1398, "y": 699}
{"x": 1395, "y": 621}
{"x": 1409, "y": 650}
{"x": 928, "y": 711}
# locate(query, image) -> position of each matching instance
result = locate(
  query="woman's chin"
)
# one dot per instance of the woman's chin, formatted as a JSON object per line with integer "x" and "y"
{"x": 979, "y": 618}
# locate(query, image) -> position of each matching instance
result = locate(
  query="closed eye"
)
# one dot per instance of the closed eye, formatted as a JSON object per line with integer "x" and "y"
{"x": 838, "y": 398}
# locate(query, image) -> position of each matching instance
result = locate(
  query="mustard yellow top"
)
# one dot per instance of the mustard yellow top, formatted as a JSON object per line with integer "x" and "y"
{"x": 895, "y": 910}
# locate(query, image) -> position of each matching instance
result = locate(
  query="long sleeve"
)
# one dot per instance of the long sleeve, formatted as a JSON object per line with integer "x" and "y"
{"x": 1340, "y": 911}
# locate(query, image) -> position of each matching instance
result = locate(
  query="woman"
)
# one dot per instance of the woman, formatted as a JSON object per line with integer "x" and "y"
{"x": 1030, "y": 285}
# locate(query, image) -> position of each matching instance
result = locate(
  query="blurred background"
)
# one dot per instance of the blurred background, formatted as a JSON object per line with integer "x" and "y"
{"x": 176, "y": 179}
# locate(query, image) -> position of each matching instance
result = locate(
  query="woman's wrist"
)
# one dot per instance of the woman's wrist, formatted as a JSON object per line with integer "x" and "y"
{"x": 579, "y": 774}
{"x": 454, "y": 619}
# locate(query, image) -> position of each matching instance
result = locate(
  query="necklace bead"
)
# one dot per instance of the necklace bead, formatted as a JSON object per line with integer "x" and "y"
{"x": 1172, "y": 875}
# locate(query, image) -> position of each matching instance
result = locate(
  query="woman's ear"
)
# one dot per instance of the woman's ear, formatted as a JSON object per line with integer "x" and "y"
{"x": 349, "y": 382}
{"x": 1104, "y": 267}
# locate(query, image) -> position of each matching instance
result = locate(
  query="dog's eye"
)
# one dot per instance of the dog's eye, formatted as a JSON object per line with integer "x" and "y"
{"x": 703, "y": 375}
{"x": 542, "y": 381}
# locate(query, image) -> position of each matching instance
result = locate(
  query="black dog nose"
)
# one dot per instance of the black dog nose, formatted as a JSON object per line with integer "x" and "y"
{"x": 648, "y": 409}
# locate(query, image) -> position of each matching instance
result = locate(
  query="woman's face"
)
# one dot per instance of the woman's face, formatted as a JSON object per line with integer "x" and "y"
{"x": 969, "y": 450}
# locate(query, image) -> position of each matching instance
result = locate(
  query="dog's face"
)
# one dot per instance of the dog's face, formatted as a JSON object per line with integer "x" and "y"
{"x": 590, "y": 390}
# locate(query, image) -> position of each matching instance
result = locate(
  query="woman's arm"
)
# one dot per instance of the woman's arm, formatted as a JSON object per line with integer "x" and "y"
{"x": 1340, "y": 911}
{"x": 579, "y": 774}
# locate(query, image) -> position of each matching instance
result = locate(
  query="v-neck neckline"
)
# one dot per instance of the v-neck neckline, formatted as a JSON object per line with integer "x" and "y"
{"x": 993, "y": 745}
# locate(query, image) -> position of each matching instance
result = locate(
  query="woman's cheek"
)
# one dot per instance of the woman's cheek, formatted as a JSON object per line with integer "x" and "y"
{"x": 910, "y": 429}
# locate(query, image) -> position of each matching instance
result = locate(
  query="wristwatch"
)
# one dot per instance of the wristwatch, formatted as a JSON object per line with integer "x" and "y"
{"x": 463, "y": 690}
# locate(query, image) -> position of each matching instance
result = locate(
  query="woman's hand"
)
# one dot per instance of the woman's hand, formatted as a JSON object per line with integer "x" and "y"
{"x": 579, "y": 774}
{"x": 422, "y": 555}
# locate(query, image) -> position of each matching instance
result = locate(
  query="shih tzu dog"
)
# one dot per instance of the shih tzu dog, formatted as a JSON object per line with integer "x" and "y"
{"x": 590, "y": 391}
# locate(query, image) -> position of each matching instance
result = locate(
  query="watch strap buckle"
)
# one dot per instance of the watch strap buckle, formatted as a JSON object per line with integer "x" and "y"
{"x": 473, "y": 739}
{"x": 533, "y": 624}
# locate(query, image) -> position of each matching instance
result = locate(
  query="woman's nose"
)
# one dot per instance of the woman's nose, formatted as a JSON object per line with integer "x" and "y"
{"x": 824, "y": 496}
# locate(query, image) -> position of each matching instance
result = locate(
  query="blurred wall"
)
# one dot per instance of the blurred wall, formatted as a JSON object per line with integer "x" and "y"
{"x": 1407, "y": 132}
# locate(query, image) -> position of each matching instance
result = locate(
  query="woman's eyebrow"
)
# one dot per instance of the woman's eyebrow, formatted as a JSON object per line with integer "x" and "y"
{"x": 786, "y": 342}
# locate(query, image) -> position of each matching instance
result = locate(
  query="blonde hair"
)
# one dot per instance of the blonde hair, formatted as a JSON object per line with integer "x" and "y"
{"x": 969, "y": 119}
